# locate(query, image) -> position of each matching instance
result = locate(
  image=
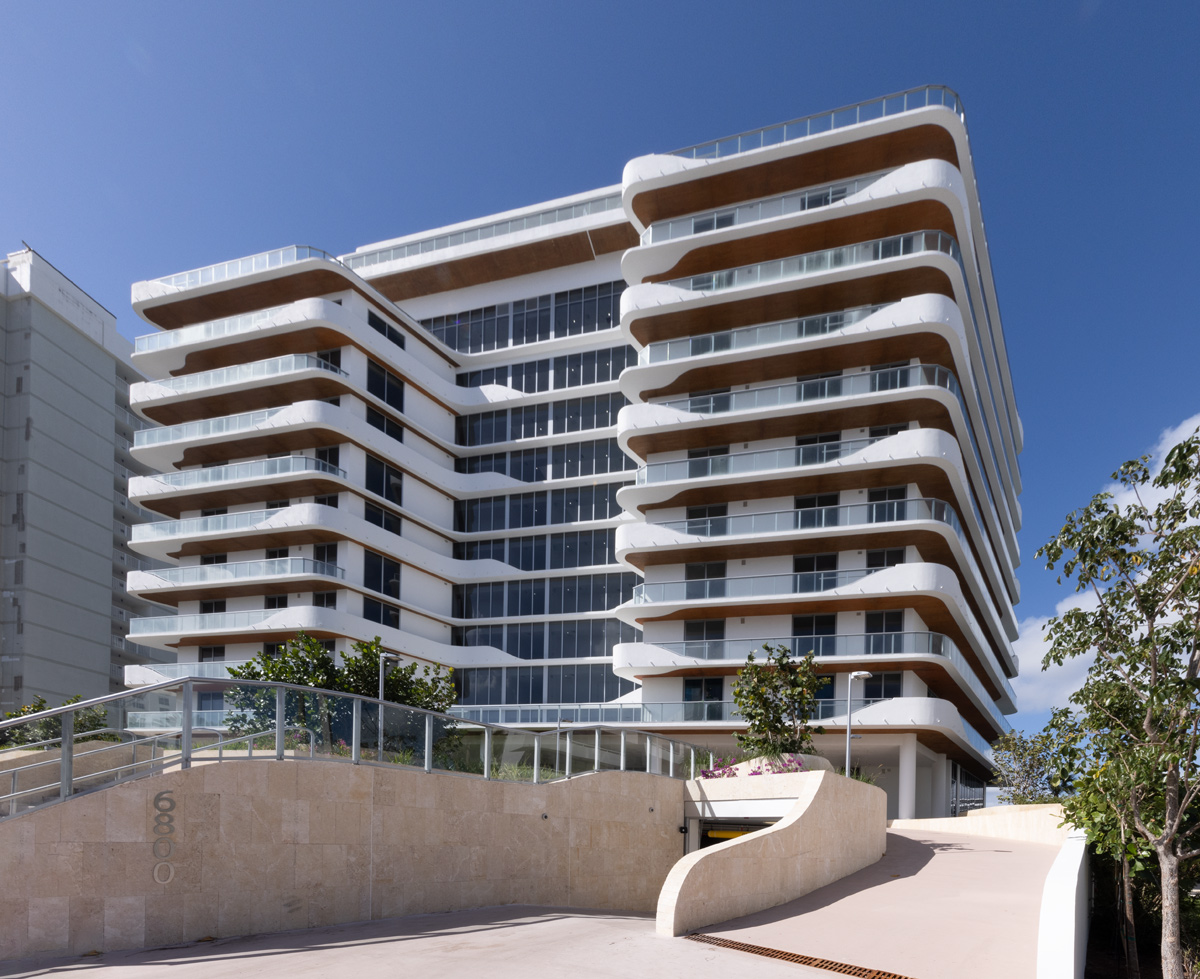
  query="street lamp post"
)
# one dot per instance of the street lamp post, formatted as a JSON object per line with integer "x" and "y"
{"x": 855, "y": 675}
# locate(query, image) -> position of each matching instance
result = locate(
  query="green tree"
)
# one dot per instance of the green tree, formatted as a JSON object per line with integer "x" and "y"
{"x": 50, "y": 728}
{"x": 428, "y": 687}
{"x": 1025, "y": 765}
{"x": 776, "y": 698}
{"x": 1135, "y": 754}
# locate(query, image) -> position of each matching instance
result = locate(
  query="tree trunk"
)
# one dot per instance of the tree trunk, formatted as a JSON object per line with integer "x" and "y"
{"x": 1172, "y": 953}
{"x": 1128, "y": 926}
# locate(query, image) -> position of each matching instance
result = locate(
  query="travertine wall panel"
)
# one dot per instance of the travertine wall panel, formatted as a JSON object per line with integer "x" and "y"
{"x": 266, "y": 846}
{"x": 837, "y": 826}
{"x": 1029, "y": 824}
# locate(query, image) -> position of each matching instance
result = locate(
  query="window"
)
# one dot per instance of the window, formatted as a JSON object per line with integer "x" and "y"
{"x": 698, "y": 635}
{"x": 275, "y": 601}
{"x": 708, "y": 521}
{"x": 702, "y": 698}
{"x": 385, "y": 481}
{"x": 706, "y": 461}
{"x": 382, "y": 613}
{"x": 815, "y": 572}
{"x": 211, "y": 654}
{"x": 886, "y": 504}
{"x": 331, "y": 455}
{"x": 817, "y": 511}
{"x": 277, "y": 504}
{"x": 213, "y": 558}
{"x": 381, "y": 574}
{"x": 476, "y": 685}
{"x": 382, "y": 326}
{"x": 276, "y": 553}
{"x": 324, "y": 599}
{"x": 879, "y": 686}
{"x": 814, "y": 449}
{"x": 330, "y": 501}
{"x": 884, "y": 632}
{"x": 385, "y": 424}
{"x": 331, "y": 357}
{"x": 213, "y": 606}
{"x": 210, "y": 700}
{"x": 325, "y": 553}
{"x": 523, "y": 685}
{"x": 273, "y": 650}
{"x": 217, "y": 511}
{"x": 584, "y": 684}
{"x": 385, "y": 385}
{"x": 884, "y": 431}
{"x": 888, "y": 558}
{"x": 706, "y": 580}
{"x": 888, "y": 377}
{"x": 815, "y": 633}
{"x": 381, "y": 518}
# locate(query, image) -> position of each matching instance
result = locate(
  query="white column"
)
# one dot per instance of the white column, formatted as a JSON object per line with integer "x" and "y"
{"x": 906, "y": 798}
{"x": 940, "y": 787}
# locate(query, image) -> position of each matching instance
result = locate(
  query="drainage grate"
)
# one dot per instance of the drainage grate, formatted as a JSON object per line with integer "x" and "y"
{"x": 773, "y": 953}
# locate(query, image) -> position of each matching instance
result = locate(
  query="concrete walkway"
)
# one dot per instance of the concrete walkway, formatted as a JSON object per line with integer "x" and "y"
{"x": 512, "y": 942}
{"x": 937, "y": 906}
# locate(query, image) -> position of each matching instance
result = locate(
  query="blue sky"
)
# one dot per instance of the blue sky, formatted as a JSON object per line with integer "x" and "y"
{"x": 143, "y": 138}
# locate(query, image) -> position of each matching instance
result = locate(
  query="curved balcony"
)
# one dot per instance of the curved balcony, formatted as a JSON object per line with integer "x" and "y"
{"x": 259, "y": 469}
{"x": 206, "y": 428}
{"x": 747, "y": 586}
{"x": 823, "y": 122}
{"x": 753, "y": 461}
{"x": 748, "y": 337}
{"x": 825, "y": 260}
{"x": 861, "y": 646}
{"x": 210, "y": 330}
{"x": 780, "y": 205}
{"x": 201, "y": 623}
{"x": 217, "y": 574}
{"x": 239, "y": 374}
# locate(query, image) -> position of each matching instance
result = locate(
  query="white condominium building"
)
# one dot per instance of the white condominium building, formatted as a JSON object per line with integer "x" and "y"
{"x": 593, "y": 452}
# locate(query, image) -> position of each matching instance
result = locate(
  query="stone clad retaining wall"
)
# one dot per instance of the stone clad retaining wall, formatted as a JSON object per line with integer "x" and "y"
{"x": 837, "y": 826}
{"x": 263, "y": 846}
{"x": 1030, "y": 824}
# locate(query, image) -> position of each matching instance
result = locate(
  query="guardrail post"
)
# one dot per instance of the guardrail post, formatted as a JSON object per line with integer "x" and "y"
{"x": 670, "y": 759}
{"x": 622, "y": 750}
{"x": 12, "y": 799}
{"x": 597, "y": 759}
{"x": 356, "y": 733}
{"x": 649, "y": 751}
{"x": 537, "y": 760}
{"x": 567, "y": 764}
{"x": 487, "y": 752}
{"x": 429, "y": 742}
{"x": 280, "y": 722}
{"x": 185, "y": 727}
{"x": 66, "y": 758}
{"x": 693, "y": 754}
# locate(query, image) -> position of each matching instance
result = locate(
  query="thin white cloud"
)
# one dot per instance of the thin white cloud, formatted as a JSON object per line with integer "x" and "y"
{"x": 1167, "y": 440}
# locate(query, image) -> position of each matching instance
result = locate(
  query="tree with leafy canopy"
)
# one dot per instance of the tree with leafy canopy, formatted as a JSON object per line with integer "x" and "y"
{"x": 50, "y": 728}
{"x": 776, "y": 698}
{"x": 1134, "y": 752}
{"x": 1025, "y": 766}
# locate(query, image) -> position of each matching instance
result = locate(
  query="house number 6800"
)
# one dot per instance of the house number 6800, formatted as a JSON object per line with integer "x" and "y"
{"x": 164, "y": 829}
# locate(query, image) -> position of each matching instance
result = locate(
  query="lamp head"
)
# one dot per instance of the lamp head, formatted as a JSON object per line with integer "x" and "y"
{"x": 859, "y": 675}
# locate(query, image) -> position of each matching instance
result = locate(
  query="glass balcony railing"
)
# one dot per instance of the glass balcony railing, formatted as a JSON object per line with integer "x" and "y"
{"x": 869, "y": 644}
{"x": 225, "y": 425}
{"x": 747, "y": 586}
{"x": 822, "y": 122}
{"x": 259, "y": 369}
{"x": 247, "y": 470}
{"x": 648, "y": 713}
{"x": 815, "y": 518}
{"x": 757, "y": 460}
{"x": 754, "y": 336}
{"x": 821, "y": 388}
{"x": 826, "y": 260}
{"x": 433, "y": 243}
{"x": 223, "y": 271}
{"x": 210, "y": 330}
{"x": 769, "y": 207}
{"x": 218, "y": 573}
{"x": 195, "y": 526}
{"x": 207, "y": 622}
{"x": 209, "y": 670}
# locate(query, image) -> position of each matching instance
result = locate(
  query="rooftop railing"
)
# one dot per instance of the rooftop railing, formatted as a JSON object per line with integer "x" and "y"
{"x": 747, "y": 586}
{"x": 225, "y": 425}
{"x": 202, "y": 381}
{"x": 263, "y": 720}
{"x": 212, "y": 329}
{"x": 246, "y": 470}
{"x": 238, "y": 570}
{"x": 756, "y": 460}
{"x": 822, "y": 122}
{"x": 223, "y": 271}
{"x": 825, "y": 260}
{"x": 482, "y": 232}
{"x": 753, "y": 336}
{"x": 768, "y": 207}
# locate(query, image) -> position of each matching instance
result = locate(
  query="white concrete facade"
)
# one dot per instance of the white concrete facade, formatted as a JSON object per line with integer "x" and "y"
{"x": 592, "y": 452}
